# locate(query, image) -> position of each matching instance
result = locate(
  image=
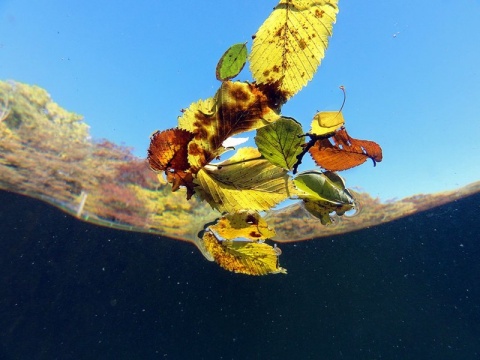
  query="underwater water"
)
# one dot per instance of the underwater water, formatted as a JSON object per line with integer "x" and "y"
{"x": 407, "y": 289}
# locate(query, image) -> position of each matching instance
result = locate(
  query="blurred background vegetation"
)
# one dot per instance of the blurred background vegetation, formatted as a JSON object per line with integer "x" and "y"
{"x": 46, "y": 152}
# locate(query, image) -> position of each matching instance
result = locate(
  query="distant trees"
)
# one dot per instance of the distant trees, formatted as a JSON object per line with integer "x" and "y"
{"x": 47, "y": 152}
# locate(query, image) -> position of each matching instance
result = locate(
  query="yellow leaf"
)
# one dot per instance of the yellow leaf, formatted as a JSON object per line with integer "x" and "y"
{"x": 290, "y": 44}
{"x": 244, "y": 257}
{"x": 326, "y": 122}
{"x": 200, "y": 119}
{"x": 242, "y": 106}
{"x": 243, "y": 224}
{"x": 237, "y": 107}
{"x": 202, "y": 109}
{"x": 245, "y": 181}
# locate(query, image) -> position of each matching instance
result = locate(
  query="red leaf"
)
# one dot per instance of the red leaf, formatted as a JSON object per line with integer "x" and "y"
{"x": 345, "y": 152}
{"x": 168, "y": 150}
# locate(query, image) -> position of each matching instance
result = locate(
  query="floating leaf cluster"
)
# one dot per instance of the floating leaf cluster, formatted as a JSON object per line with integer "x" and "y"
{"x": 286, "y": 52}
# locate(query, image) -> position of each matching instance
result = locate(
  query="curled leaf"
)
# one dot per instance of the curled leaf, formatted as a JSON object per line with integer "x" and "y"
{"x": 326, "y": 122}
{"x": 251, "y": 258}
{"x": 168, "y": 150}
{"x": 323, "y": 193}
{"x": 232, "y": 62}
{"x": 325, "y": 186}
{"x": 280, "y": 142}
{"x": 345, "y": 152}
{"x": 290, "y": 44}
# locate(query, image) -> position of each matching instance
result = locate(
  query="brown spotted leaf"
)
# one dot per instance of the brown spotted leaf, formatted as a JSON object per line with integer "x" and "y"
{"x": 237, "y": 107}
{"x": 290, "y": 44}
{"x": 344, "y": 152}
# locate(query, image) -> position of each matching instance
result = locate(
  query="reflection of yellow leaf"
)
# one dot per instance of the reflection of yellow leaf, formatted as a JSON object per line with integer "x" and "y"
{"x": 244, "y": 257}
{"x": 243, "y": 224}
{"x": 245, "y": 181}
{"x": 291, "y": 43}
{"x": 327, "y": 122}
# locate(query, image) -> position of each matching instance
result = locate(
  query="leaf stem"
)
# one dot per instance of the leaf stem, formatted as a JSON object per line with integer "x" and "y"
{"x": 307, "y": 146}
{"x": 341, "y": 87}
{"x": 220, "y": 166}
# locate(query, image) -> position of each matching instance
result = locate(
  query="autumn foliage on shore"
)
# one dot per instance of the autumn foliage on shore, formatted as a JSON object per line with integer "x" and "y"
{"x": 47, "y": 152}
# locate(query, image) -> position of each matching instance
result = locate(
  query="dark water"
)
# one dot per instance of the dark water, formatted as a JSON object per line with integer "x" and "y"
{"x": 405, "y": 290}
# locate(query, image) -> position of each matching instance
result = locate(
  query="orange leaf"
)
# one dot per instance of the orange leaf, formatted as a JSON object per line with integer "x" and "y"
{"x": 168, "y": 150}
{"x": 345, "y": 152}
{"x": 181, "y": 178}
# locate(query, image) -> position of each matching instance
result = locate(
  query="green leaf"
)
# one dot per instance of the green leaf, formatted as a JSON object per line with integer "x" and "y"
{"x": 281, "y": 142}
{"x": 325, "y": 186}
{"x": 232, "y": 62}
{"x": 323, "y": 193}
{"x": 244, "y": 182}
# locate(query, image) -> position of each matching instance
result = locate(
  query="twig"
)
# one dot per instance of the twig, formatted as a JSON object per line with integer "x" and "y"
{"x": 83, "y": 199}
{"x": 307, "y": 146}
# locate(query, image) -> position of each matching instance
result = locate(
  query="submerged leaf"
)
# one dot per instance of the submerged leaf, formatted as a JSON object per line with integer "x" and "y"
{"x": 243, "y": 224}
{"x": 232, "y": 62}
{"x": 345, "y": 152}
{"x": 323, "y": 193}
{"x": 245, "y": 181}
{"x": 326, "y": 122}
{"x": 281, "y": 142}
{"x": 251, "y": 258}
{"x": 290, "y": 44}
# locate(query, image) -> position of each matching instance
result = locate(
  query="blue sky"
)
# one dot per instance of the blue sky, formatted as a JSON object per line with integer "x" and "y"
{"x": 410, "y": 68}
